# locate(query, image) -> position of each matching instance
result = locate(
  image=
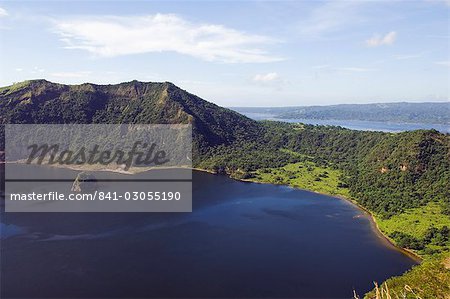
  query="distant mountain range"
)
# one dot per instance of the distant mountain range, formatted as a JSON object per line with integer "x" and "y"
{"x": 435, "y": 113}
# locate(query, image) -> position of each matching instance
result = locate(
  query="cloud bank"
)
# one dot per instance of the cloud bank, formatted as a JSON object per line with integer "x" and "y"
{"x": 109, "y": 36}
{"x": 265, "y": 78}
{"x": 378, "y": 40}
{"x": 3, "y": 12}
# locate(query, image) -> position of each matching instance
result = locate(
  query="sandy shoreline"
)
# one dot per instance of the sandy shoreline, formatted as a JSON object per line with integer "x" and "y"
{"x": 373, "y": 221}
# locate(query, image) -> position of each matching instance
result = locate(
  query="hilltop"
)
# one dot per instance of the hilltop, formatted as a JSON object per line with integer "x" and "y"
{"x": 41, "y": 101}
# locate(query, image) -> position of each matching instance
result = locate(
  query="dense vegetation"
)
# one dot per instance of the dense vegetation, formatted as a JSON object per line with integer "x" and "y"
{"x": 402, "y": 178}
{"x": 437, "y": 113}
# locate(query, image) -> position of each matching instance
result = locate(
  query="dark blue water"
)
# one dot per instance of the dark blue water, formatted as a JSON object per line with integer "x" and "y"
{"x": 360, "y": 125}
{"x": 242, "y": 240}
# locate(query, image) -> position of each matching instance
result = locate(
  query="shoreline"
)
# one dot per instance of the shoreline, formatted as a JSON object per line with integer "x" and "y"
{"x": 371, "y": 217}
{"x": 131, "y": 171}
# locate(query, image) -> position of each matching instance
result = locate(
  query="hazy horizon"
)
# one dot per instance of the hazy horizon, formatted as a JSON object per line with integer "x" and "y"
{"x": 356, "y": 103}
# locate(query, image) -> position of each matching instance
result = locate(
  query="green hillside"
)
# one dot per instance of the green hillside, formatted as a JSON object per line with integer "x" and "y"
{"x": 40, "y": 101}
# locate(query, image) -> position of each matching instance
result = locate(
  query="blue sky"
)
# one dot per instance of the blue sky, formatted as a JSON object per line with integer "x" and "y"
{"x": 237, "y": 53}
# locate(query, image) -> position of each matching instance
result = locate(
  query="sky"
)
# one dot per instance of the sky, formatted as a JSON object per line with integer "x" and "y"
{"x": 237, "y": 53}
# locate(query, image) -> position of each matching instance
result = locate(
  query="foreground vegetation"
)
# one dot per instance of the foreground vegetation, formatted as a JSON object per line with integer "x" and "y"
{"x": 429, "y": 280}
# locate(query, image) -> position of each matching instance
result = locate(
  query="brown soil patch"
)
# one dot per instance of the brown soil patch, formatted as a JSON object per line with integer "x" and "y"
{"x": 446, "y": 263}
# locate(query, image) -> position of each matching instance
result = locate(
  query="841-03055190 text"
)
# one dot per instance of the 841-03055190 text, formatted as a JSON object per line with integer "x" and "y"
{"x": 98, "y": 195}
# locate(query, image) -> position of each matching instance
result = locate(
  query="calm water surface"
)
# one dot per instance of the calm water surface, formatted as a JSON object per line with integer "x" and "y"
{"x": 360, "y": 125}
{"x": 241, "y": 240}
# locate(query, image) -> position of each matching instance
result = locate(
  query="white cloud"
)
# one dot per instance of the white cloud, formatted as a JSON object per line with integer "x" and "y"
{"x": 265, "y": 78}
{"x": 110, "y": 36}
{"x": 3, "y": 12}
{"x": 379, "y": 40}
{"x": 37, "y": 70}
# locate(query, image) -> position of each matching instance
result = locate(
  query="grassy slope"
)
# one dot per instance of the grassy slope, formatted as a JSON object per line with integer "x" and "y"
{"x": 416, "y": 222}
{"x": 304, "y": 175}
{"x": 428, "y": 280}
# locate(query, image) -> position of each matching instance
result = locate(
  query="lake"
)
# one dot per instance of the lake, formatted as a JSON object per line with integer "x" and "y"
{"x": 242, "y": 240}
{"x": 361, "y": 125}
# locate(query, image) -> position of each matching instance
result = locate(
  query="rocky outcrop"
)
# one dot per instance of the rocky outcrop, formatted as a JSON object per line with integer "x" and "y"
{"x": 84, "y": 182}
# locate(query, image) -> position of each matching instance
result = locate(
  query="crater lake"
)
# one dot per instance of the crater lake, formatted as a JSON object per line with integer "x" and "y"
{"x": 242, "y": 240}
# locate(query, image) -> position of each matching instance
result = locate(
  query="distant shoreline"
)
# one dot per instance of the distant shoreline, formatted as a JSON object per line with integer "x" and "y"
{"x": 354, "y": 124}
{"x": 406, "y": 113}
